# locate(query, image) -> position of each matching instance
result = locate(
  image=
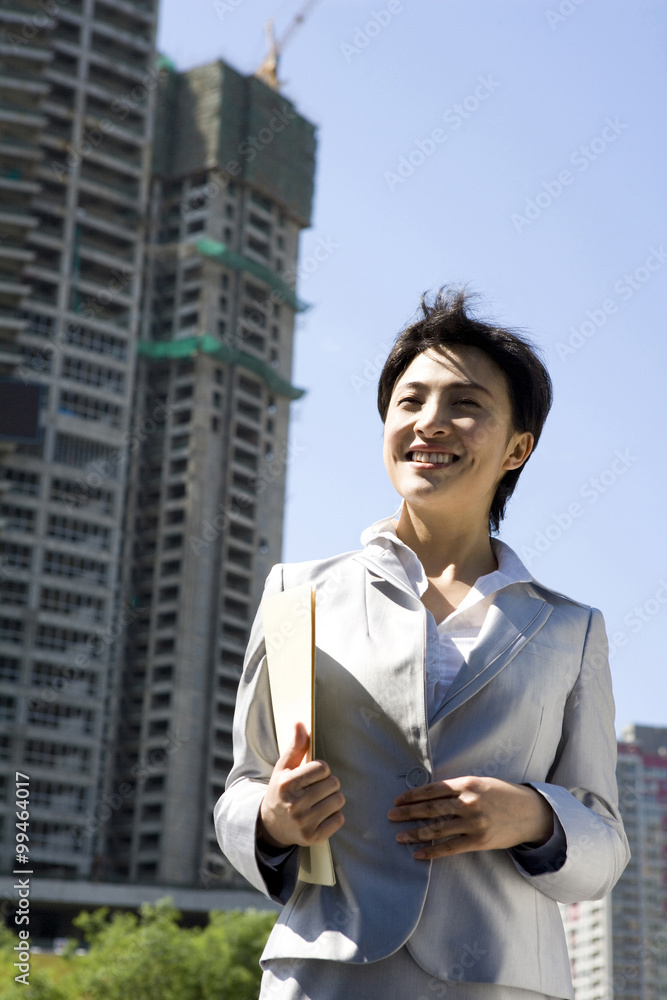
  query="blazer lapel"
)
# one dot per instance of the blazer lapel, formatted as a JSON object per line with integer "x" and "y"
{"x": 513, "y": 619}
{"x": 515, "y": 616}
{"x": 374, "y": 564}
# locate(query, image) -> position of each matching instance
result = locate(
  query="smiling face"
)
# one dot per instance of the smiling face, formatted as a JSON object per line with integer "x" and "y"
{"x": 448, "y": 436}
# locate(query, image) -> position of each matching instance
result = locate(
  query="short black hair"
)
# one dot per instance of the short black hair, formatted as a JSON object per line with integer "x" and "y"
{"x": 447, "y": 322}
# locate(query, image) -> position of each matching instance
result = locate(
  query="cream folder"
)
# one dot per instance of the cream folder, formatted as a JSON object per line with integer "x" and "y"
{"x": 289, "y": 631}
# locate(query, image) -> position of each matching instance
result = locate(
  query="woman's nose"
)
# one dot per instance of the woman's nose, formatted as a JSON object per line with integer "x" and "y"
{"x": 432, "y": 420}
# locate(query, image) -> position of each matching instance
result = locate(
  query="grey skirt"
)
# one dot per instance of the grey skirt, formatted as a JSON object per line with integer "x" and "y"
{"x": 397, "y": 977}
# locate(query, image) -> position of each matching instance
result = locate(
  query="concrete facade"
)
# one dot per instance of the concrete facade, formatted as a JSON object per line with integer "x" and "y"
{"x": 77, "y": 129}
{"x": 206, "y": 497}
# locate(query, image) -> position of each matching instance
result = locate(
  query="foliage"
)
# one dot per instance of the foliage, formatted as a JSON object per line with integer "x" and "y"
{"x": 150, "y": 957}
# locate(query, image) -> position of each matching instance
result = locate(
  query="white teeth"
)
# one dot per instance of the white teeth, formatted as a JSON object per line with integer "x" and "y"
{"x": 433, "y": 457}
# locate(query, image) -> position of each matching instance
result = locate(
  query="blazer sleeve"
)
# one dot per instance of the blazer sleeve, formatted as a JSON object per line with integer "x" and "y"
{"x": 581, "y": 785}
{"x": 255, "y": 754}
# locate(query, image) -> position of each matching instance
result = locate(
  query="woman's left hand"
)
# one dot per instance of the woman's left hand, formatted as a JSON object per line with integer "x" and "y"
{"x": 472, "y": 814}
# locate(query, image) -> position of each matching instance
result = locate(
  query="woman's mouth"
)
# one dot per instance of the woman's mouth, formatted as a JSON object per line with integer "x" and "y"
{"x": 432, "y": 457}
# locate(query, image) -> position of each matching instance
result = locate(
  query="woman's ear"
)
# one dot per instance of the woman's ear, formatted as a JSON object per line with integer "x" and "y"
{"x": 520, "y": 447}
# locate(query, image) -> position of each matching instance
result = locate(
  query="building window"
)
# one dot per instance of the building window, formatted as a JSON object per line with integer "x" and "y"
{"x": 93, "y": 374}
{"x": 11, "y": 630}
{"x": 172, "y": 541}
{"x": 15, "y": 555}
{"x": 68, "y": 603}
{"x": 247, "y": 434}
{"x": 9, "y": 668}
{"x": 21, "y": 481}
{"x": 249, "y": 386}
{"x": 64, "y": 564}
{"x": 13, "y": 592}
{"x": 57, "y": 755}
{"x": 171, "y": 567}
{"x": 17, "y": 518}
{"x": 77, "y": 493}
{"x": 80, "y": 532}
{"x": 259, "y": 247}
{"x": 79, "y": 452}
{"x": 75, "y": 404}
{"x": 100, "y": 343}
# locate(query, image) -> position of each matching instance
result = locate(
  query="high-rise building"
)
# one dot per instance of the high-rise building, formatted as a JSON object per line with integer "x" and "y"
{"x": 232, "y": 188}
{"x": 77, "y": 119}
{"x": 149, "y": 227}
{"x": 618, "y": 945}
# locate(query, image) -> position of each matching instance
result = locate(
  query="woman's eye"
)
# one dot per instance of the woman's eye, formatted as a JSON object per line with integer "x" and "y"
{"x": 466, "y": 402}
{"x": 409, "y": 399}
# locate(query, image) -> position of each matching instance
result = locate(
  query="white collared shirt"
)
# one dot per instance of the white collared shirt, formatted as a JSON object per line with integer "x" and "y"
{"x": 449, "y": 642}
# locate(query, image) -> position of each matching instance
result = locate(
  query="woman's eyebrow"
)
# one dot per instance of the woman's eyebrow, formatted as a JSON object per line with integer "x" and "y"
{"x": 405, "y": 386}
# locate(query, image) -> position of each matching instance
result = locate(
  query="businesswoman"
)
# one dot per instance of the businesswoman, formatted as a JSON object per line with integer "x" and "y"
{"x": 465, "y": 771}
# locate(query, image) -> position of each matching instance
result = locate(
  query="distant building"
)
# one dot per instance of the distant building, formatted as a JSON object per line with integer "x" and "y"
{"x": 148, "y": 287}
{"x": 618, "y": 945}
{"x": 76, "y": 117}
{"x": 232, "y": 188}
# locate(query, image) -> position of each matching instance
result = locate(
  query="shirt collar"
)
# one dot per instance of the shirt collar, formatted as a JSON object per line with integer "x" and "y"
{"x": 381, "y": 536}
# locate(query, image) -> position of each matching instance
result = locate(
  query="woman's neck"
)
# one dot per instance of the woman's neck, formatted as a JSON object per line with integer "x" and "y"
{"x": 450, "y": 551}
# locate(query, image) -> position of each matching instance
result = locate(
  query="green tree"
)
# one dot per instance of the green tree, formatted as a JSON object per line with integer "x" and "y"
{"x": 42, "y": 985}
{"x": 150, "y": 957}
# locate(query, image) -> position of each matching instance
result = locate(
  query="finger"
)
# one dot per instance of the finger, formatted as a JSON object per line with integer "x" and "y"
{"x": 425, "y": 809}
{"x": 306, "y": 775}
{"x": 308, "y": 791}
{"x": 297, "y": 749}
{"x": 435, "y": 830}
{"x": 444, "y": 848}
{"x": 434, "y": 790}
{"x": 328, "y": 827}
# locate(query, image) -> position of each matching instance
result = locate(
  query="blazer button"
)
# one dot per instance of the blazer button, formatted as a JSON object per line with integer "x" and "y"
{"x": 415, "y": 777}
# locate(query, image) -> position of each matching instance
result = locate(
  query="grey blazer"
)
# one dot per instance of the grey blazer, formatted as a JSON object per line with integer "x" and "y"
{"x": 532, "y": 704}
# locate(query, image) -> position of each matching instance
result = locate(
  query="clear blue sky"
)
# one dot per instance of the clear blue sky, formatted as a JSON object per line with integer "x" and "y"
{"x": 560, "y": 104}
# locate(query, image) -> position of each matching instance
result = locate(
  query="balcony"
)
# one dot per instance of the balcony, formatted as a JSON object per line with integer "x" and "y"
{"x": 121, "y": 194}
{"x": 14, "y": 218}
{"x": 14, "y": 114}
{"x": 106, "y": 256}
{"x": 19, "y": 148}
{"x": 25, "y": 84}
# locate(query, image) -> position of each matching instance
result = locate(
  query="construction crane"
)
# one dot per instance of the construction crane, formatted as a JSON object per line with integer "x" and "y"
{"x": 268, "y": 71}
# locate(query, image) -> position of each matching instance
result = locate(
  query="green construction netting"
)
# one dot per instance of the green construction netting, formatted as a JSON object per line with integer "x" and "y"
{"x": 171, "y": 349}
{"x": 212, "y": 248}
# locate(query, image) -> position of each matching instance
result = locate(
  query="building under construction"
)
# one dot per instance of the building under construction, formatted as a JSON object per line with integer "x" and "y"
{"x": 232, "y": 188}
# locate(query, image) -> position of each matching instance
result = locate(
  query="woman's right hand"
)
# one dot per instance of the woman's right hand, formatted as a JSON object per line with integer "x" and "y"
{"x": 303, "y": 802}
